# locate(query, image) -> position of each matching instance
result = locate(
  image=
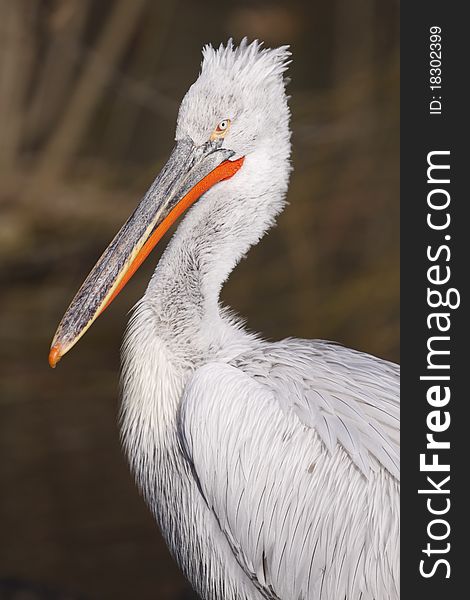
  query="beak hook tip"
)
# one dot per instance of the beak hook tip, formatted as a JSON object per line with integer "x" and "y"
{"x": 54, "y": 356}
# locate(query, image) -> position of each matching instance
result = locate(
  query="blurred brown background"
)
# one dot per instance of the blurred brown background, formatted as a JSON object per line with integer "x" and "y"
{"x": 89, "y": 92}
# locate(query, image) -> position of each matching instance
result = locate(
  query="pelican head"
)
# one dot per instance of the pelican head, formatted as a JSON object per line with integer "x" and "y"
{"x": 234, "y": 120}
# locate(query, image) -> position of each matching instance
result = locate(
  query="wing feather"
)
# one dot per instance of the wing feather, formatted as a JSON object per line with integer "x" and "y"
{"x": 348, "y": 397}
{"x": 300, "y": 471}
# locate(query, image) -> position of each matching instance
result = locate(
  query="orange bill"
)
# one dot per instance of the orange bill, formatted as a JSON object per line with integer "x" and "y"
{"x": 188, "y": 174}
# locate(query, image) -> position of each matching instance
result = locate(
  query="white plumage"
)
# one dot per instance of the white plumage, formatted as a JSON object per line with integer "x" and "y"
{"x": 271, "y": 468}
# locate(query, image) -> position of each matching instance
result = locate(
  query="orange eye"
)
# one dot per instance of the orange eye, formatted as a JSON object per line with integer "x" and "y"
{"x": 222, "y": 126}
{"x": 221, "y": 130}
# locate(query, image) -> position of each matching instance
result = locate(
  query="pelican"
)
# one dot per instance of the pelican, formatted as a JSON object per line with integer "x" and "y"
{"x": 272, "y": 468}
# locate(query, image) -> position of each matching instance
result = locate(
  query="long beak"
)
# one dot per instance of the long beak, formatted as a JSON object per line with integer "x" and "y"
{"x": 190, "y": 171}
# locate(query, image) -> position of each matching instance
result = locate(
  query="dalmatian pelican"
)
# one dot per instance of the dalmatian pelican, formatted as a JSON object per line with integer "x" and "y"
{"x": 272, "y": 468}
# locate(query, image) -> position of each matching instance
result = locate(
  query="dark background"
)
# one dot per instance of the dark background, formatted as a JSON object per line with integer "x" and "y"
{"x": 89, "y": 93}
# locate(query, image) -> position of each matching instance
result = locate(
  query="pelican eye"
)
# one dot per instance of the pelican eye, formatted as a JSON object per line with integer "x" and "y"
{"x": 221, "y": 130}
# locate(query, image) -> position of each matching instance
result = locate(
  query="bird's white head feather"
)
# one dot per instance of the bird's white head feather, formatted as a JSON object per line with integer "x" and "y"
{"x": 246, "y": 85}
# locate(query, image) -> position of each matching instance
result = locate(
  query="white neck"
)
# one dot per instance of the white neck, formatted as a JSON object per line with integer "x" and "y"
{"x": 177, "y": 326}
{"x": 213, "y": 237}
